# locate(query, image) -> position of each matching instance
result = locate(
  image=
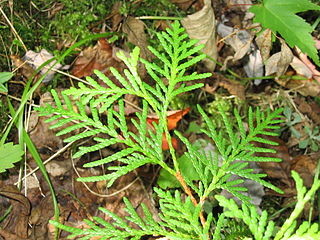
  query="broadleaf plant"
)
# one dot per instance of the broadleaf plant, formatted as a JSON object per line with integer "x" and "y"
{"x": 106, "y": 122}
{"x": 280, "y": 16}
{"x": 9, "y": 154}
{"x": 4, "y": 77}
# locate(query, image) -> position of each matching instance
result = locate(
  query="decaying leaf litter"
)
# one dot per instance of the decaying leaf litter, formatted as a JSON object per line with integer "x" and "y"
{"x": 248, "y": 69}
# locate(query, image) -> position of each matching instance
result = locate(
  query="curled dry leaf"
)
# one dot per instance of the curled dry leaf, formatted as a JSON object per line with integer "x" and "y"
{"x": 244, "y": 5}
{"x": 279, "y": 62}
{"x": 264, "y": 43}
{"x": 201, "y": 25}
{"x": 239, "y": 40}
{"x": 303, "y": 66}
{"x": 102, "y": 56}
{"x": 244, "y": 40}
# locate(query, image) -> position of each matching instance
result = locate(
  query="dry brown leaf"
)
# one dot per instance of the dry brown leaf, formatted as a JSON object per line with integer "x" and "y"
{"x": 312, "y": 109}
{"x": 24, "y": 68}
{"x": 301, "y": 68}
{"x": 92, "y": 58}
{"x": 305, "y": 166}
{"x": 306, "y": 87}
{"x": 239, "y": 40}
{"x": 134, "y": 28}
{"x": 305, "y": 60}
{"x": 162, "y": 25}
{"x": 9, "y": 236}
{"x": 240, "y": 4}
{"x": 17, "y": 221}
{"x": 201, "y": 25}
{"x": 233, "y": 87}
{"x": 43, "y": 137}
{"x": 39, "y": 218}
{"x": 116, "y": 16}
{"x": 186, "y": 4}
{"x": 279, "y": 62}
{"x": 264, "y": 43}
{"x": 242, "y": 50}
{"x": 101, "y": 57}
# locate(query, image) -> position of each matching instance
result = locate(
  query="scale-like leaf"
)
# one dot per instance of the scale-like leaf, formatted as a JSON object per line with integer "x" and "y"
{"x": 280, "y": 16}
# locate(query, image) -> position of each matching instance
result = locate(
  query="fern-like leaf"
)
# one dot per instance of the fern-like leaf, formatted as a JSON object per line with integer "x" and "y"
{"x": 232, "y": 154}
{"x": 260, "y": 228}
{"x": 79, "y": 109}
{"x": 179, "y": 220}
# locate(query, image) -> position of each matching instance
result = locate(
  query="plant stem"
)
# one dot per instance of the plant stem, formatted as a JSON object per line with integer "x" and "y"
{"x": 189, "y": 193}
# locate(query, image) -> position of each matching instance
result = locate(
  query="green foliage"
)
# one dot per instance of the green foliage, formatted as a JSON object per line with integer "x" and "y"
{"x": 163, "y": 8}
{"x": 140, "y": 148}
{"x": 179, "y": 220}
{"x": 279, "y": 16}
{"x": 73, "y": 20}
{"x": 262, "y": 228}
{"x": 4, "y": 77}
{"x": 306, "y": 232}
{"x": 258, "y": 225}
{"x": 166, "y": 180}
{"x": 312, "y": 140}
{"x": 292, "y": 118}
{"x": 237, "y": 146}
{"x": 180, "y": 217}
{"x": 9, "y": 154}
